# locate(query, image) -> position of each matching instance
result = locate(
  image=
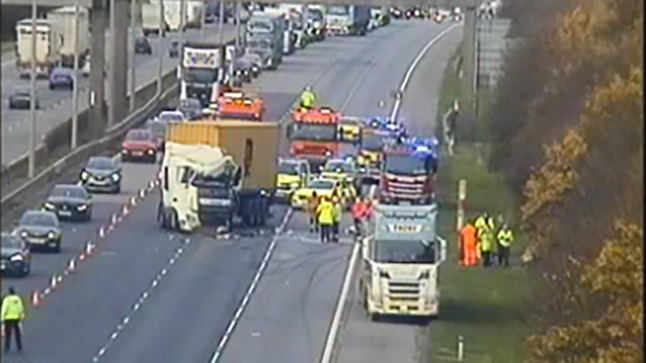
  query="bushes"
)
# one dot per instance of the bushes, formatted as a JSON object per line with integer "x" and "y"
{"x": 567, "y": 130}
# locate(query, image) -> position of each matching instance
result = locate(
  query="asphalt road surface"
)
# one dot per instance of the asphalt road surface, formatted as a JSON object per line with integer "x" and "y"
{"x": 56, "y": 105}
{"x": 146, "y": 295}
{"x": 394, "y": 339}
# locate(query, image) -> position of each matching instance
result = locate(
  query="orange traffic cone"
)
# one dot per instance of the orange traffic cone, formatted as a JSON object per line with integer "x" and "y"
{"x": 72, "y": 265}
{"x": 35, "y": 300}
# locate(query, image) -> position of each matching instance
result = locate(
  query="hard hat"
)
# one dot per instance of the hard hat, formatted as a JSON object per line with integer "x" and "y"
{"x": 335, "y": 199}
{"x": 308, "y": 88}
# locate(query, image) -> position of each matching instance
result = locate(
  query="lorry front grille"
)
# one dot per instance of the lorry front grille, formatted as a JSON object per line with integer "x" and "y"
{"x": 403, "y": 290}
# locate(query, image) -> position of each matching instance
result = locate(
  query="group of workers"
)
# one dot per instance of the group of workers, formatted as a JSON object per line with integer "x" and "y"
{"x": 325, "y": 215}
{"x": 482, "y": 239}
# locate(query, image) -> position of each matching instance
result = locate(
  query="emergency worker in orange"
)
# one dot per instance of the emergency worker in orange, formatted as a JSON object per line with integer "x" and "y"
{"x": 468, "y": 239}
{"x": 312, "y": 205}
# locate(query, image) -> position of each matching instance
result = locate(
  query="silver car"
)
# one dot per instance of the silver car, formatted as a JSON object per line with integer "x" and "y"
{"x": 40, "y": 229}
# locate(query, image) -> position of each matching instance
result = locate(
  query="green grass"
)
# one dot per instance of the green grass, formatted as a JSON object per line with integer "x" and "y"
{"x": 485, "y": 307}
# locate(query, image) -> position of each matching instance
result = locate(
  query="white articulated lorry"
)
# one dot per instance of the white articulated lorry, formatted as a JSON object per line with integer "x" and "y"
{"x": 48, "y": 47}
{"x": 215, "y": 172}
{"x": 64, "y": 21}
{"x": 201, "y": 71}
{"x": 150, "y": 18}
{"x": 401, "y": 255}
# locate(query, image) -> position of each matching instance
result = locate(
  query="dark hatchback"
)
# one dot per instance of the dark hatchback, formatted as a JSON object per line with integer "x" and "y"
{"x": 61, "y": 78}
{"x": 16, "y": 257}
{"x": 101, "y": 174}
{"x": 69, "y": 201}
{"x": 142, "y": 46}
{"x": 40, "y": 229}
{"x": 21, "y": 99}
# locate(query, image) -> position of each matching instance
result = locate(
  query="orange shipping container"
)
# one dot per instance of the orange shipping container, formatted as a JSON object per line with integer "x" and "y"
{"x": 253, "y": 145}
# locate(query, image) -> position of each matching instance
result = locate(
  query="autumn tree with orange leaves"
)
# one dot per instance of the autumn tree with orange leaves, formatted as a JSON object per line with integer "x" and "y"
{"x": 567, "y": 130}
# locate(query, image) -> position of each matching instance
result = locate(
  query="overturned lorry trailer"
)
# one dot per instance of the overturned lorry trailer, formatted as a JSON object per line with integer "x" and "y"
{"x": 215, "y": 172}
{"x": 400, "y": 262}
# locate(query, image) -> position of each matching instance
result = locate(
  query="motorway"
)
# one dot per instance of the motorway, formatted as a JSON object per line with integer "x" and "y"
{"x": 146, "y": 295}
{"x": 56, "y": 105}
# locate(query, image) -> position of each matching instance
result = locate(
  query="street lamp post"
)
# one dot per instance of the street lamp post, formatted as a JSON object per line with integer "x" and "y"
{"x": 221, "y": 21}
{"x": 32, "y": 103}
{"x": 133, "y": 24}
{"x": 159, "y": 50}
{"x": 75, "y": 95}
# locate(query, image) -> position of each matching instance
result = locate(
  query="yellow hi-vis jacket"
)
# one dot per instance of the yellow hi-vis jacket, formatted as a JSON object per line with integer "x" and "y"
{"x": 307, "y": 99}
{"x": 505, "y": 237}
{"x": 325, "y": 211}
{"x": 338, "y": 212}
{"x": 12, "y": 308}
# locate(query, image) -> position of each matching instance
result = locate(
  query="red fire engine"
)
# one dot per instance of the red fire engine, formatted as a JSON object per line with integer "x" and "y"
{"x": 314, "y": 134}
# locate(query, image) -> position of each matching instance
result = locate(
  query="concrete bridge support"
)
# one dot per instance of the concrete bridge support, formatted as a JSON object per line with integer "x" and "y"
{"x": 118, "y": 74}
{"x": 98, "y": 24}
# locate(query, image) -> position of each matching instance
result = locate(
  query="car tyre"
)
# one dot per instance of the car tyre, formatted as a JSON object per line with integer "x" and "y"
{"x": 26, "y": 270}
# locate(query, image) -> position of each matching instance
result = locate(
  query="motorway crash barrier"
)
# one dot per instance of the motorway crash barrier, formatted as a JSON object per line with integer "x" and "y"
{"x": 112, "y": 138}
{"x": 60, "y": 137}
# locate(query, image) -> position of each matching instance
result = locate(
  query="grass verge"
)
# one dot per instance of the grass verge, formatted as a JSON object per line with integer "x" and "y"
{"x": 485, "y": 307}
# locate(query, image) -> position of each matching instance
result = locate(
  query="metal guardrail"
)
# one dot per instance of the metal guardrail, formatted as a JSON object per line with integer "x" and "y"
{"x": 113, "y": 134}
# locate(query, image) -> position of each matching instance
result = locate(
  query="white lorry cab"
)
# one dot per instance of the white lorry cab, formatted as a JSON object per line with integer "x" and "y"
{"x": 401, "y": 255}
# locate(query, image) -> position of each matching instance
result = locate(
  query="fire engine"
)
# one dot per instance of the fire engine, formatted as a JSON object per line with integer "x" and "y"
{"x": 313, "y": 135}
{"x": 236, "y": 104}
{"x": 408, "y": 174}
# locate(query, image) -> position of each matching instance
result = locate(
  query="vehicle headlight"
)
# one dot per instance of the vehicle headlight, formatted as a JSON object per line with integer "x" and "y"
{"x": 294, "y": 185}
{"x": 48, "y": 206}
{"x": 115, "y": 177}
{"x": 51, "y": 235}
{"x": 151, "y": 151}
{"x": 84, "y": 175}
{"x": 24, "y": 234}
{"x": 16, "y": 258}
{"x": 82, "y": 207}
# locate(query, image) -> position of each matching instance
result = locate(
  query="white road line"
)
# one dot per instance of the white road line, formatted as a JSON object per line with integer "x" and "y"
{"x": 334, "y": 327}
{"x": 136, "y": 307}
{"x": 413, "y": 66}
{"x": 223, "y": 341}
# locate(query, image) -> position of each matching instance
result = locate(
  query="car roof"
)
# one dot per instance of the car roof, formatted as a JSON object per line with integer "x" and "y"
{"x": 39, "y": 212}
{"x": 68, "y": 186}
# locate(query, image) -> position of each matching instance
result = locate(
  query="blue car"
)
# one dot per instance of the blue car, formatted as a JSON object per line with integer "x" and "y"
{"x": 61, "y": 78}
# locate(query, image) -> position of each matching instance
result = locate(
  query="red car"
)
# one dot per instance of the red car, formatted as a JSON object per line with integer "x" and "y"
{"x": 138, "y": 145}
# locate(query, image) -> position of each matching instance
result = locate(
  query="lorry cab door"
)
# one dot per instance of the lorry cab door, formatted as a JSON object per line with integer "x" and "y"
{"x": 184, "y": 200}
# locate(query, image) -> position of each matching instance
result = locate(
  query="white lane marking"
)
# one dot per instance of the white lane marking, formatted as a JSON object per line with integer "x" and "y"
{"x": 334, "y": 327}
{"x": 136, "y": 307}
{"x": 413, "y": 66}
{"x": 243, "y": 305}
{"x": 355, "y": 87}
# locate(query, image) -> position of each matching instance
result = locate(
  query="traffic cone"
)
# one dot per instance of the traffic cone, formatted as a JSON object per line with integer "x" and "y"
{"x": 125, "y": 210}
{"x": 101, "y": 232}
{"x": 89, "y": 248}
{"x": 133, "y": 201}
{"x": 35, "y": 301}
{"x": 72, "y": 265}
{"x": 142, "y": 193}
{"x": 82, "y": 257}
{"x": 53, "y": 283}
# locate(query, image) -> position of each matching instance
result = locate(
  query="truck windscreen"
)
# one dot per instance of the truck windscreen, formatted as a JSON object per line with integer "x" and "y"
{"x": 405, "y": 252}
{"x": 338, "y": 10}
{"x": 406, "y": 165}
{"x": 200, "y": 75}
{"x": 259, "y": 26}
{"x": 372, "y": 142}
{"x": 316, "y": 132}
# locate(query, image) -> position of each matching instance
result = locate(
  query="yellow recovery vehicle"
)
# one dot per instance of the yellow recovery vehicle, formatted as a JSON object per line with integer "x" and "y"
{"x": 215, "y": 171}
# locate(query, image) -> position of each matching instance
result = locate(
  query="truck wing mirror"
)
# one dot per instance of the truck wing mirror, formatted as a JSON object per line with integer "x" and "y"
{"x": 442, "y": 249}
{"x": 289, "y": 131}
